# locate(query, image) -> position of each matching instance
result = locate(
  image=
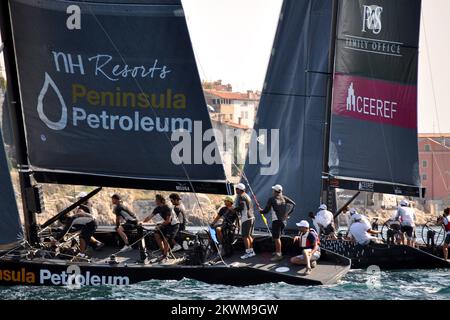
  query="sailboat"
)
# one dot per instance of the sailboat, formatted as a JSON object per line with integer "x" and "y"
{"x": 341, "y": 93}
{"x": 102, "y": 94}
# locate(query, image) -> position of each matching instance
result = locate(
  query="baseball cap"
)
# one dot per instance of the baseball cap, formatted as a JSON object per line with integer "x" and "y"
{"x": 323, "y": 207}
{"x": 277, "y": 188}
{"x": 228, "y": 198}
{"x": 82, "y": 195}
{"x": 303, "y": 223}
{"x": 240, "y": 186}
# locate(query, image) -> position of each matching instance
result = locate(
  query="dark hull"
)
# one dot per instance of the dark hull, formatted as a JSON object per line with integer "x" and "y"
{"x": 387, "y": 257}
{"x": 55, "y": 273}
{"x": 237, "y": 272}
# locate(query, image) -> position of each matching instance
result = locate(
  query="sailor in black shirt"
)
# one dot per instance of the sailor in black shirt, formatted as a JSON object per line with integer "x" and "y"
{"x": 168, "y": 229}
{"x": 123, "y": 214}
{"x": 229, "y": 218}
{"x": 179, "y": 209}
{"x": 282, "y": 207}
{"x": 86, "y": 225}
{"x": 85, "y": 206}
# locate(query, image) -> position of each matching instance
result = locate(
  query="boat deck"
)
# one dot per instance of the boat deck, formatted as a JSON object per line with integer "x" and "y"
{"x": 326, "y": 271}
{"x": 385, "y": 256}
{"x": 129, "y": 267}
{"x": 236, "y": 271}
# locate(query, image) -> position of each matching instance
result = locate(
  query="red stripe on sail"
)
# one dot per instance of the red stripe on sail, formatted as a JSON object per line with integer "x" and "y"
{"x": 375, "y": 100}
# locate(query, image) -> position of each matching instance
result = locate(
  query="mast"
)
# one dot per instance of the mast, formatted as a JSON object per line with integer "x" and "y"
{"x": 326, "y": 190}
{"x": 16, "y": 119}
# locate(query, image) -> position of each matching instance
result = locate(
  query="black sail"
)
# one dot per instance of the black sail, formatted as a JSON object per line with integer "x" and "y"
{"x": 294, "y": 103}
{"x": 373, "y": 142}
{"x": 104, "y": 85}
{"x": 11, "y": 231}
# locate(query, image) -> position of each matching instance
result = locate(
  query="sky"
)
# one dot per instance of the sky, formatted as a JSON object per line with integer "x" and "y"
{"x": 232, "y": 41}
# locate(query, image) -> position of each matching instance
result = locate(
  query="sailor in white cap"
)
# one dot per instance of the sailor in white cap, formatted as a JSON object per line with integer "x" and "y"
{"x": 308, "y": 242}
{"x": 84, "y": 207}
{"x": 244, "y": 207}
{"x": 325, "y": 220}
{"x": 407, "y": 218}
{"x": 360, "y": 232}
{"x": 351, "y": 220}
{"x": 281, "y": 207}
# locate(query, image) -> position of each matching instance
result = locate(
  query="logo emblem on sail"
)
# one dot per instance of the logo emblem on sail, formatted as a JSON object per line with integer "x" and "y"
{"x": 351, "y": 99}
{"x": 372, "y": 18}
{"x": 370, "y": 107}
{"x": 62, "y": 123}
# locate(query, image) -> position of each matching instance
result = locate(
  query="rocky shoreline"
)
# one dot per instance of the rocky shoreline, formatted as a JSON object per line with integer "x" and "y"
{"x": 201, "y": 208}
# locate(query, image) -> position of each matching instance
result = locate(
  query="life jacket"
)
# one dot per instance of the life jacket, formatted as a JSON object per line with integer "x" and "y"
{"x": 304, "y": 242}
{"x": 447, "y": 226}
{"x": 316, "y": 234}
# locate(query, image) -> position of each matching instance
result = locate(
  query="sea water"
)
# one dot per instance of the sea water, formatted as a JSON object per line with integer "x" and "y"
{"x": 357, "y": 284}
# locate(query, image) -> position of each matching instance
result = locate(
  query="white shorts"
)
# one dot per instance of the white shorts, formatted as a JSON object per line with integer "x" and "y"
{"x": 314, "y": 257}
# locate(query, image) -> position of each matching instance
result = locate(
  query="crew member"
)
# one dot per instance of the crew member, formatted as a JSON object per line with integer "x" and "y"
{"x": 85, "y": 206}
{"x": 446, "y": 222}
{"x": 86, "y": 224}
{"x": 407, "y": 219}
{"x": 361, "y": 233}
{"x": 282, "y": 207}
{"x": 325, "y": 220}
{"x": 229, "y": 218}
{"x": 364, "y": 219}
{"x": 179, "y": 209}
{"x": 168, "y": 229}
{"x": 308, "y": 241}
{"x": 243, "y": 206}
{"x": 123, "y": 214}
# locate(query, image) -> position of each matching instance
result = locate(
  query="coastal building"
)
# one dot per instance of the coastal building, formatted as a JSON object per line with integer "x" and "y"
{"x": 234, "y": 107}
{"x": 233, "y": 114}
{"x": 434, "y": 164}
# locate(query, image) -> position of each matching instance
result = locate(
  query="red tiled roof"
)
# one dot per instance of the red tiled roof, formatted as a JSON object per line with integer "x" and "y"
{"x": 434, "y": 135}
{"x": 229, "y": 95}
{"x": 236, "y": 125}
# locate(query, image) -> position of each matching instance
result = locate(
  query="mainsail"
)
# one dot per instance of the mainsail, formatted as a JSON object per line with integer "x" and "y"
{"x": 104, "y": 86}
{"x": 11, "y": 231}
{"x": 293, "y": 102}
{"x": 373, "y": 142}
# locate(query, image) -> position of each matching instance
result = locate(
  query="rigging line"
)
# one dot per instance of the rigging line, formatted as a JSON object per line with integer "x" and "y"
{"x": 444, "y": 146}
{"x": 145, "y": 235}
{"x": 434, "y": 98}
{"x": 196, "y": 52}
{"x": 85, "y": 258}
{"x": 433, "y": 89}
{"x": 22, "y": 244}
{"x": 142, "y": 91}
{"x": 198, "y": 61}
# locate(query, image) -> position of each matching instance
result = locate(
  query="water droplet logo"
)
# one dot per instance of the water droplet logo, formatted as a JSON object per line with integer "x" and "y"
{"x": 62, "y": 123}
